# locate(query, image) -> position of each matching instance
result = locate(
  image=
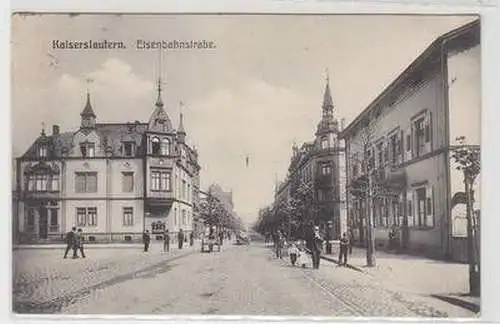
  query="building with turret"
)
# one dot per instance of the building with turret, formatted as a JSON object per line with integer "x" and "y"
{"x": 113, "y": 180}
{"x": 318, "y": 167}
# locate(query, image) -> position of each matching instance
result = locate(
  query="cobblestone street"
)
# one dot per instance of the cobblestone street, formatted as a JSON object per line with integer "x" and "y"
{"x": 239, "y": 280}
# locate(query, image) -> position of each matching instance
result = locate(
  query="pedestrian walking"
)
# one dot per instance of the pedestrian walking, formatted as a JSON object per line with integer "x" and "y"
{"x": 166, "y": 241}
{"x": 293, "y": 252}
{"x": 180, "y": 238}
{"x": 280, "y": 243}
{"x": 351, "y": 240}
{"x": 344, "y": 247}
{"x": 191, "y": 239}
{"x": 70, "y": 241}
{"x": 221, "y": 238}
{"x": 78, "y": 244}
{"x": 316, "y": 247}
{"x": 146, "y": 239}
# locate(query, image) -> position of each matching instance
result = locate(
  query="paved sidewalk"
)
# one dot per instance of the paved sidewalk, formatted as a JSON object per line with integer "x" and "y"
{"x": 445, "y": 280}
{"x": 42, "y": 276}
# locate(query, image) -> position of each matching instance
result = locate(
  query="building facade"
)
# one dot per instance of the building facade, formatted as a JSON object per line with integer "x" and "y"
{"x": 113, "y": 180}
{"x": 318, "y": 166}
{"x": 406, "y": 137}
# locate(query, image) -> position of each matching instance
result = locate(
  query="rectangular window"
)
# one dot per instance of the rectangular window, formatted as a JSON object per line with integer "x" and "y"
{"x": 155, "y": 180}
{"x": 87, "y": 149}
{"x": 394, "y": 148}
{"x": 42, "y": 151}
{"x": 165, "y": 181}
{"x": 128, "y": 216}
{"x": 419, "y": 136}
{"x": 175, "y": 216}
{"x": 85, "y": 182}
{"x": 184, "y": 217}
{"x": 128, "y": 149}
{"x": 325, "y": 168}
{"x": 408, "y": 142}
{"x": 92, "y": 216}
{"x": 183, "y": 194}
{"x": 421, "y": 198}
{"x": 86, "y": 216}
{"x": 380, "y": 151}
{"x": 160, "y": 181}
{"x": 127, "y": 181}
{"x": 55, "y": 183}
{"x": 81, "y": 215}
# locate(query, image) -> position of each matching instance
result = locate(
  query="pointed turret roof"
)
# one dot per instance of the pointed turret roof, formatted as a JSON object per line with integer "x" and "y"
{"x": 159, "y": 101}
{"x": 87, "y": 110}
{"x": 181, "y": 129}
{"x": 327, "y": 97}
{"x": 159, "y": 120}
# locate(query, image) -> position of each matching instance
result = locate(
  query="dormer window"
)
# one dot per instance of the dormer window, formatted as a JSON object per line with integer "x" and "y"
{"x": 87, "y": 149}
{"x": 155, "y": 146}
{"x": 128, "y": 148}
{"x": 42, "y": 151}
{"x": 324, "y": 143}
{"x": 165, "y": 146}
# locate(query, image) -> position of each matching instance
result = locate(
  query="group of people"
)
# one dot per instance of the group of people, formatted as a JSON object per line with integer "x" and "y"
{"x": 314, "y": 243}
{"x": 181, "y": 239}
{"x": 74, "y": 241}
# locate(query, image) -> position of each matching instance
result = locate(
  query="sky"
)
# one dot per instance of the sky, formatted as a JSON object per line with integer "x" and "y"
{"x": 255, "y": 94}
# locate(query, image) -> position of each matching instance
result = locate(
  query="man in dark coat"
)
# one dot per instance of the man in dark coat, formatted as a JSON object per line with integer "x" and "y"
{"x": 70, "y": 238}
{"x": 221, "y": 238}
{"x": 166, "y": 241}
{"x": 316, "y": 244}
{"x": 78, "y": 244}
{"x": 146, "y": 239}
{"x": 344, "y": 247}
{"x": 191, "y": 238}
{"x": 180, "y": 238}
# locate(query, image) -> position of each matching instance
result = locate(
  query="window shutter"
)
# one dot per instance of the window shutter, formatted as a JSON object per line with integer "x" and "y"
{"x": 408, "y": 145}
{"x": 428, "y": 132}
{"x": 429, "y": 207}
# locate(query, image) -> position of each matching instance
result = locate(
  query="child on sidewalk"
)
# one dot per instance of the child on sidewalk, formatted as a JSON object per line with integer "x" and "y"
{"x": 293, "y": 252}
{"x": 301, "y": 257}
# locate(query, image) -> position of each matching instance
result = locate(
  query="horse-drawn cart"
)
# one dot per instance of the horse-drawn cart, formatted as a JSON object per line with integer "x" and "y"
{"x": 208, "y": 243}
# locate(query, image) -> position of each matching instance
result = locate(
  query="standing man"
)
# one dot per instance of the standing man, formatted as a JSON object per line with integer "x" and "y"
{"x": 351, "y": 239}
{"x": 78, "y": 244}
{"x": 191, "y": 238}
{"x": 221, "y": 238}
{"x": 180, "y": 238}
{"x": 146, "y": 239}
{"x": 344, "y": 247}
{"x": 70, "y": 238}
{"x": 166, "y": 241}
{"x": 316, "y": 247}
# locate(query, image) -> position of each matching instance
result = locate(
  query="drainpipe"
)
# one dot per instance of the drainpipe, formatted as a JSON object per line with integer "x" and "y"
{"x": 447, "y": 230}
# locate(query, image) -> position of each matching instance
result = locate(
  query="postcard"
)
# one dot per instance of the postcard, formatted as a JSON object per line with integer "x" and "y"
{"x": 246, "y": 164}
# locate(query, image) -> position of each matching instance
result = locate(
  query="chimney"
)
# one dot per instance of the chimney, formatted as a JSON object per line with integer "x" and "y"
{"x": 55, "y": 129}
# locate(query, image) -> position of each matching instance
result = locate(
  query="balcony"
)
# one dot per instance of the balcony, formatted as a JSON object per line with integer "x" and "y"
{"x": 40, "y": 195}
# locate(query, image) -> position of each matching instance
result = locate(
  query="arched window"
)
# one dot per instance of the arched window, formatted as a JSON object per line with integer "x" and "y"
{"x": 155, "y": 146}
{"x": 165, "y": 146}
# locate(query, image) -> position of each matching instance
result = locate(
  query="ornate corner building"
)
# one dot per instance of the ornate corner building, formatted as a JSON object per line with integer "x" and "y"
{"x": 319, "y": 168}
{"x": 114, "y": 180}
